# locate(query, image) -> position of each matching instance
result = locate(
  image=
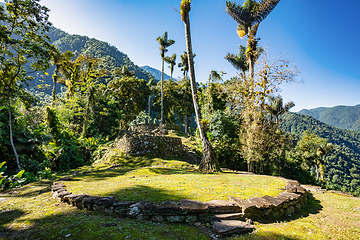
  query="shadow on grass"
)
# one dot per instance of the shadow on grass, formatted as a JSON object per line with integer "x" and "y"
{"x": 170, "y": 171}
{"x": 312, "y": 206}
{"x": 70, "y": 223}
{"x": 29, "y": 191}
{"x": 139, "y": 193}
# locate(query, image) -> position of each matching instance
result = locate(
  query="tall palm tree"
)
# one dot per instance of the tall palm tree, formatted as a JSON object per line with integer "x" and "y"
{"x": 56, "y": 59}
{"x": 164, "y": 44}
{"x": 249, "y": 16}
{"x": 213, "y": 76}
{"x": 209, "y": 162}
{"x": 151, "y": 84}
{"x": 172, "y": 61}
{"x": 239, "y": 61}
{"x": 276, "y": 108}
{"x": 184, "y": 64}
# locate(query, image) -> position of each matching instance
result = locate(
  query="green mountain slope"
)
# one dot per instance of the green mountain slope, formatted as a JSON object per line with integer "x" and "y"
{"x": 156, "y": 73}
{"x": 344, "y": 117}
{"x": 343, "y": 163}
{"x": 111, "y": 58}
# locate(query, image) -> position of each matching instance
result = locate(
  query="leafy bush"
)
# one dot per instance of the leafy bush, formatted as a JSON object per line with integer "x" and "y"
{"x": 12, "y": 181}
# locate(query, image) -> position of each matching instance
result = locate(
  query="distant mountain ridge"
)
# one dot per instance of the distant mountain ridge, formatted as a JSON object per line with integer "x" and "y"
{"x": 344, "y": 117}
{"x": 343, "y": 162}
{"x": 155, "y": 72}
{"x": 110, "y": 57}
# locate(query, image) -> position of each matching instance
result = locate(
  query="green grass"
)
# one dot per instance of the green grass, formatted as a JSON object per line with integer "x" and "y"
{"x": 326, "y": 216}
{"x": 156, "y": 180}
{"x": 30, "y": 213}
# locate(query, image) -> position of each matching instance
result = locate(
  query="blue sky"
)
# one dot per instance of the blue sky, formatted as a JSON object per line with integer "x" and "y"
{"x": 320, "y": 37}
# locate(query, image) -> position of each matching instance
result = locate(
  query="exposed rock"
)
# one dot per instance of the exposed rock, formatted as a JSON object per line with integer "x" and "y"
{"x": 222, "y": 206}
{"x": 228, "y": 216}
{"x": 228, "y": 227}
{"x": 192, "y": 218}
{"x": 88, "y": 202}
{"x": 176, "y": 219}
{"x": 274, "y": 201}
{"x": 122, "y": 208}
{"x": 260, "y": 202}
{"x": 293, "y": 182}
{"x": 192, "y": 206}
{"x": 246, "y": 206}
{"x": 168, "y": 208}
{"x": 157, "y": 218}
{"x": 57, "y": 187}
{"x": 288, "y": 196}
{"x": 295, "y": 189}
{"x": 134, "y": 211}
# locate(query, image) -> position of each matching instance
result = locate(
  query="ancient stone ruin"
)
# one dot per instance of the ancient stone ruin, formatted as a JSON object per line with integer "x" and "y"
{"x": 227, "y": 217}
{"x": 149, "y": 139}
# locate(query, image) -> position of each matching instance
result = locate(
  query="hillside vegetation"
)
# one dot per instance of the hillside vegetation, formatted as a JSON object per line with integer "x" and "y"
{"x": 344, "y": 117}
{"x": 156, "y": 73}
{"x": 110, "y": 57}
{"x": 342, "y": 163}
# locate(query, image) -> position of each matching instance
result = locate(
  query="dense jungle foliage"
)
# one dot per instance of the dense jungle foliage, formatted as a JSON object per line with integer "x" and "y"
{"x": 342, "y": 163}
{"x": 86, "y": 92}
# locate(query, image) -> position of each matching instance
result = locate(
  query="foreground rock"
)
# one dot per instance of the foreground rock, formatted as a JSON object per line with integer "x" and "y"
{"x": 229, "y": 227}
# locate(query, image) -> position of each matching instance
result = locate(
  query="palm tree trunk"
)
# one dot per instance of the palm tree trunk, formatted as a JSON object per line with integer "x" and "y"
{"x": 54, "y": 87}
{"x": 11, "y": 133}
{"x": 162, "y": 93}
{"x": 209, "y": 162}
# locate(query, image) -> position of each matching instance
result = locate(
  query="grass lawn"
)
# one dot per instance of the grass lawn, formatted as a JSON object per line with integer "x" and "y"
{"x": 171, "y": 180}
{"x": 30, "y": 213}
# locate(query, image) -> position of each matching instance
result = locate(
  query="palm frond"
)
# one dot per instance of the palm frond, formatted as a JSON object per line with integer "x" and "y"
{"x": 264, "y": 9}
{"x": 241, "y": 15}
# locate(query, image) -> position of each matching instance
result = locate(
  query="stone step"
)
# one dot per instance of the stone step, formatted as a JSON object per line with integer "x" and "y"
{"x": 228, "y": 227}
{"x": 222, "y": 206}
{"x": 228, "y": 216}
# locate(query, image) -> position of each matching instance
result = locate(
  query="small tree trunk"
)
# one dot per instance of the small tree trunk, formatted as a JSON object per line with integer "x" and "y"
{"x": 11, "y": 134}
{"x": 162, "y": 92}
{"x": 54, "y": 88}
{"x": 186, "y": 123}
{"x": 317, "y": 172}
{"x": 149, "y": 111}
{"x": 209, "y": 162}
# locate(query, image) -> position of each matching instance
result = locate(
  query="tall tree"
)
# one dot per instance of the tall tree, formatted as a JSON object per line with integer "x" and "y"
{"x": 249, "y": 16}
{"x": 314, "y": 150}
{"x": 239, "y": 61}
{"x": 209, "y": 162}
{"x": 214, "y": 76}
{"x": 172, "y": 61}
{"x": 23, "y": 41}
{"x": 276, "y": 108}
{"x": 131, "y": 94}
{"x": 164, "y": 42}
{"x": 56, "y": 60}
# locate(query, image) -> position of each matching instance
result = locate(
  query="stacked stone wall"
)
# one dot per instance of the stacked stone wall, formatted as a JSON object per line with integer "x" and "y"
{"x": 188, "y": 211}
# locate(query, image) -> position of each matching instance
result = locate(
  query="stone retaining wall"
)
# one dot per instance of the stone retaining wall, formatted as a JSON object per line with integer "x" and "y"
{"x": 135, "y": 144}
{"x": 187, "y": 211}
